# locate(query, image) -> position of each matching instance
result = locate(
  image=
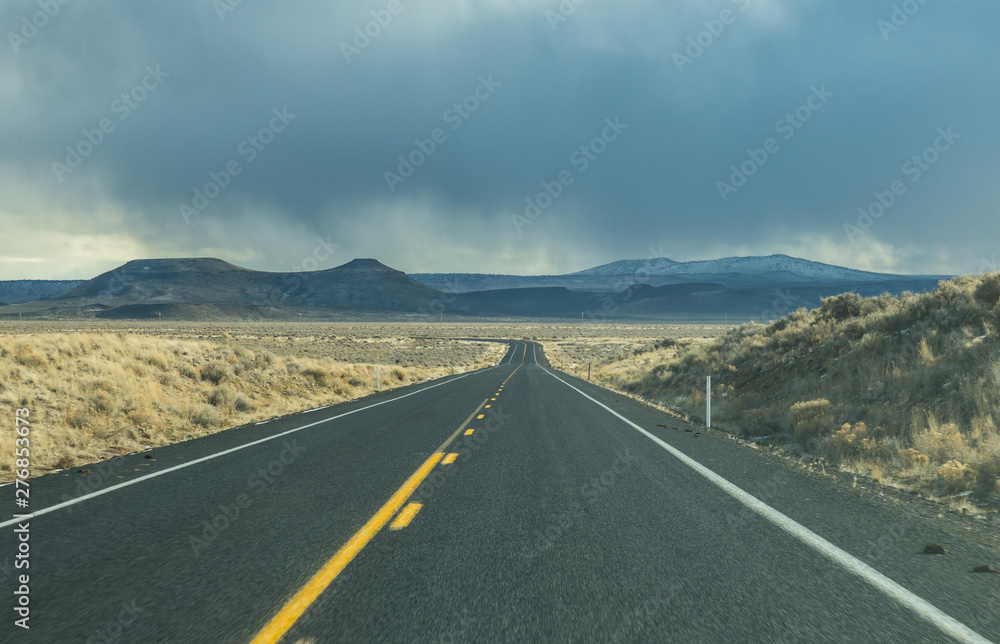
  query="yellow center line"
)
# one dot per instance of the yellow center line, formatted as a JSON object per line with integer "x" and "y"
{"x": 449, "y": 459}
{"x": 404, "y": 517}
{"x": 480, "y": 416}
{"x": 468, "y": 432}
{"x": 301, "y": 601}
{"x": 292, "y": 611}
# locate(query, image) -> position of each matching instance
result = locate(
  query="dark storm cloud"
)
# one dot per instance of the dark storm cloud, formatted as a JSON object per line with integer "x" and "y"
{"x": 692, "y": 111}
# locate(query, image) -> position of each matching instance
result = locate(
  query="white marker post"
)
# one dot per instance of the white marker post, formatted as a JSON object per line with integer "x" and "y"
{"x": 378, "y": 383}
{"x": 708, "y": 402}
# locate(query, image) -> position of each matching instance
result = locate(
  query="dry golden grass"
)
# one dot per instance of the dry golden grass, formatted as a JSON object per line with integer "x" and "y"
{"x": 618, "y": 349}
{"x": 93, "y": 395}
{"x": 905, "y": 389}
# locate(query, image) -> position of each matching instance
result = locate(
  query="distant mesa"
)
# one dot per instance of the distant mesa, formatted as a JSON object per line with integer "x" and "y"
{"x": 656, "y": 289}
{"x": 209, "y": 288}
{"x": 756, "y": 272}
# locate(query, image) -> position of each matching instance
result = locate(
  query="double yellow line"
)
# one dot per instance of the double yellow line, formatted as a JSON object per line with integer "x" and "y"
{"x": 294, "y": 609}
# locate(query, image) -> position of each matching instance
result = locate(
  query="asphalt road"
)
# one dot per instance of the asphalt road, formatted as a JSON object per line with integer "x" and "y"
{"x": 568, "y": 514}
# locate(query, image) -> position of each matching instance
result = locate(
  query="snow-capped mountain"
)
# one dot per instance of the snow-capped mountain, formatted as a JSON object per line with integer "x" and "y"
{"x": 652, "y": 266}
{"x": 751, "y": 272}
{"x": 771, "y": 266}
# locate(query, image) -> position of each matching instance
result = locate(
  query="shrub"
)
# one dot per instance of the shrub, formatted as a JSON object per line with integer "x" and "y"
{"x": 841, "y": 307}
{"x": 810, "y": 419}
{"x": 320, "y": 377}
{"x": 156, "y": 360}
{"x": 955, "y": 476}
{"x": 215, "y": 372}
{"x": 941, "y": 444}
{"x": 926, "y": 354}
{"x": 102, "y": 402}
{"x": 913, "y": 458}
{"x": 266, "y": 358}
{"x": 222, "y": 397}
{"x": 77, "y": 417}
{"x": 226, "y": 398}
{"x": 857, "y": 441}
{"x": 987, "y": 292}
{"x": 142, "y": 418}
{"x": 206, "y": 416}
{"x": 28, "y": 357}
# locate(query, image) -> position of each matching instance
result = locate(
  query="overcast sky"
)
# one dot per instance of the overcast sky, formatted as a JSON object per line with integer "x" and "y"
{"x": 283, "y": 136}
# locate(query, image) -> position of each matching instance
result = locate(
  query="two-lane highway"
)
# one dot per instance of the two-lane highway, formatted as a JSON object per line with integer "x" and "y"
{"x": 510, "y": 504}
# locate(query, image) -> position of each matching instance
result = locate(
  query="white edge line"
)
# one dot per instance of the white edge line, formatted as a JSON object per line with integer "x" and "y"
{"x": 146, "y": 477}
{"x": 513, "y": 350}
{"x": 917, "y": 604}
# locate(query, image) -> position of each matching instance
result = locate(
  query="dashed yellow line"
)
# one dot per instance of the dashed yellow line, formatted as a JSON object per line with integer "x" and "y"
{"x": 404, "y": 517}
{"x": 291, "y": 612}
{"x": 297, "y": 605}
{"x": 488, "y": 406}
{"x": 468, "y": 432}
{"x": 449, "y": 459}
{"x": 480, "y": 416}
